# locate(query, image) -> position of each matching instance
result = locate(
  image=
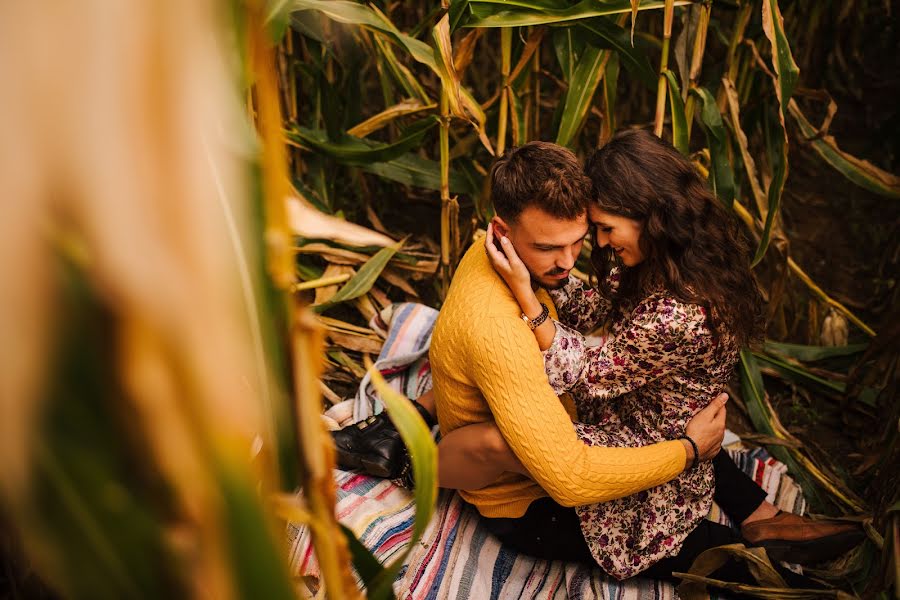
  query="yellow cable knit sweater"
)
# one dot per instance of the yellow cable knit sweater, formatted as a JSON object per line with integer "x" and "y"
{"x": 486, "y": 365}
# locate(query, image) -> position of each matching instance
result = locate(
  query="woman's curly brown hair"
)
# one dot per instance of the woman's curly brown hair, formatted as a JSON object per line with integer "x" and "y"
{"x": 691, "y": 245}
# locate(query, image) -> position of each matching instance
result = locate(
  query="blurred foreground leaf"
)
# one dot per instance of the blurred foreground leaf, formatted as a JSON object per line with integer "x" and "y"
{"x": 100, "y": 517}
{"x": 423, "y": 454}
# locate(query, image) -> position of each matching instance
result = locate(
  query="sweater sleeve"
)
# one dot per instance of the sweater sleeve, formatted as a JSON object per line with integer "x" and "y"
{"x": 661, "y": 336}
{"x": 508, "y": 368}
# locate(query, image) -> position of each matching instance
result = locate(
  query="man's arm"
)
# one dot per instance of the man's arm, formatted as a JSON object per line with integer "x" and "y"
{"x": 508, "y": 368}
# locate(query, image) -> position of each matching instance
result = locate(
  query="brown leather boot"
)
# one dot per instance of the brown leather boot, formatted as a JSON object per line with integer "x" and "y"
{"x": 796, "y": 539}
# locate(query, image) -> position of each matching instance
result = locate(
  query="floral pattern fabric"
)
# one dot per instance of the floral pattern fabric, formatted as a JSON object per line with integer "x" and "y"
{"x": 657, "y": 367}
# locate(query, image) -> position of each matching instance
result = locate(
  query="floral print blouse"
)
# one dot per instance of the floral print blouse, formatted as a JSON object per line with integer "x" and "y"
{"x": 658, "y": 366}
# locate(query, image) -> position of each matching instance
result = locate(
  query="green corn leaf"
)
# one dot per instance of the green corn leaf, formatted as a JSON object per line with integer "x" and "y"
{"x": 721, "y": 176}
{"x": 463, "y": 104}
{"x": 76, "y": 514}
{"x": 352, "y": 13}
{"x": 308, "y": 25}
{"x": 604, "y": 33}
{"x": 785, "y": 68}
{"x": 358, "y": 151}
{"x": 610, "y": 87}
{"x": 257, "y": 561}
{"x": 567, "y": 46}
{"x": 411, "y": 169}
{"x": 812, "y": 353}
{"x": 764, "y": 421}
{"x": 277, "y": 19}
{"x": 364, "y": 561}
{"x": 778, "y": 158}
{"x": 800, "y": 375}
{"x": 787, "y": 73}
{"x": 679, "y": 122}
{"x": 364, "y": 279}
{"x": 423, "y": 455}
{"x": 814, "y": 479}
{"x": 521, "y": 13}
{"x": 582, "y": 87}
{"x": 861, "y": 172}
{"x": 400, "y": 72}
{"x": 459, "y": 14}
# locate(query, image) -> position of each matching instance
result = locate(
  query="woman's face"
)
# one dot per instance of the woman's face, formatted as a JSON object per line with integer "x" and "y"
{"x": 620, "y": 233}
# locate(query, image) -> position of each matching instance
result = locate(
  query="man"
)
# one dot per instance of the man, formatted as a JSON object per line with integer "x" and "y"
{"x": 486, "y": 366}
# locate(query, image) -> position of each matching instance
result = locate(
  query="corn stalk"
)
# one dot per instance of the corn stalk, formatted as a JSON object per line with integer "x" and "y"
{"x": 696, "y": 64}
{"x": 505, "y": 91}
{"x": 305, "y": 338}
{"x": 662, "y": 85}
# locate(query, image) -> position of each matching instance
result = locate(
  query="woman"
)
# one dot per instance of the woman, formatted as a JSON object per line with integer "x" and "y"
{"x": 678, "y": 300}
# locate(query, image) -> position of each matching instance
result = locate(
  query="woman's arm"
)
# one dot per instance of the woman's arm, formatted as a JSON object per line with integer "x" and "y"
{"x": 514, "y": 272}
{"x": 661, "y": 336}
{"x": 582, "y": 306}
{"x": 471, "y": 457}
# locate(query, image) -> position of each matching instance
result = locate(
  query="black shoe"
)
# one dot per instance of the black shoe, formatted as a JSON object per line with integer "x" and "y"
{"x": 374, "y": 446}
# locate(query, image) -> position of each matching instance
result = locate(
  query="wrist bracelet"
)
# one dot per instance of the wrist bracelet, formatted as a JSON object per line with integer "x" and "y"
{"x": 696, "y": 451}
{"x": 536, "y": 322}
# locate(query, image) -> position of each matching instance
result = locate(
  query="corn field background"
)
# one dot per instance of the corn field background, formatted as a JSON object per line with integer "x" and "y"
{"x": 205, "y": 203}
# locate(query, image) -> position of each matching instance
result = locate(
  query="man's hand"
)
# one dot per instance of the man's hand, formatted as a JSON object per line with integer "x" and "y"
{"x": 707, "y": 429}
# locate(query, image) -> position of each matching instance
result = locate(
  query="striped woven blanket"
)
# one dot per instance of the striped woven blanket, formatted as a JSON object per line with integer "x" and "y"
{"x": 457, "y": 558}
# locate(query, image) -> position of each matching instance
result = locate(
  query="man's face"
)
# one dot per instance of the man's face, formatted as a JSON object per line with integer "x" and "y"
{"x": 546, "y": 244}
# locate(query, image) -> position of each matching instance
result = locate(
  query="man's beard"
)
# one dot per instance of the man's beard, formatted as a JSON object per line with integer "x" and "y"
{"x": 555, "y": 285}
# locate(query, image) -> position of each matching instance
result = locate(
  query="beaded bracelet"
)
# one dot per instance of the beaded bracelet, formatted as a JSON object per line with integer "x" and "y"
{"x": 536, "y": 322}
{"x": 696, "y": 451}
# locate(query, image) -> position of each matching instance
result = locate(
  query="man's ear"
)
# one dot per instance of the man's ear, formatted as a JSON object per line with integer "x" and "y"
{"x": 501, "y": 228}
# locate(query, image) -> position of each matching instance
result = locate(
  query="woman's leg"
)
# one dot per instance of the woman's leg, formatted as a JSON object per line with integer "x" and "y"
{"x": 786, "y": 535}
{"x": 737, "y": 494}
{"x": 709, "y": 535}
{"x": 474, "y": 456}
{"x": 547, "y": 530}
{"x": 426, "y": 400}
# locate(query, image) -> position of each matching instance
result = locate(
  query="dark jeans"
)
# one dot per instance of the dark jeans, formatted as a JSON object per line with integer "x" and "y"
{"x": 550, "y": 531}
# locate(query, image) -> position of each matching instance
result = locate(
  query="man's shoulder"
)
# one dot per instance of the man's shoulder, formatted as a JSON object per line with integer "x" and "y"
{"x": 477, "y": 293}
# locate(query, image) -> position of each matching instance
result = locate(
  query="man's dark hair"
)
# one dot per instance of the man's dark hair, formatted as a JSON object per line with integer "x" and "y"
{"x": 539, "y": 174}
